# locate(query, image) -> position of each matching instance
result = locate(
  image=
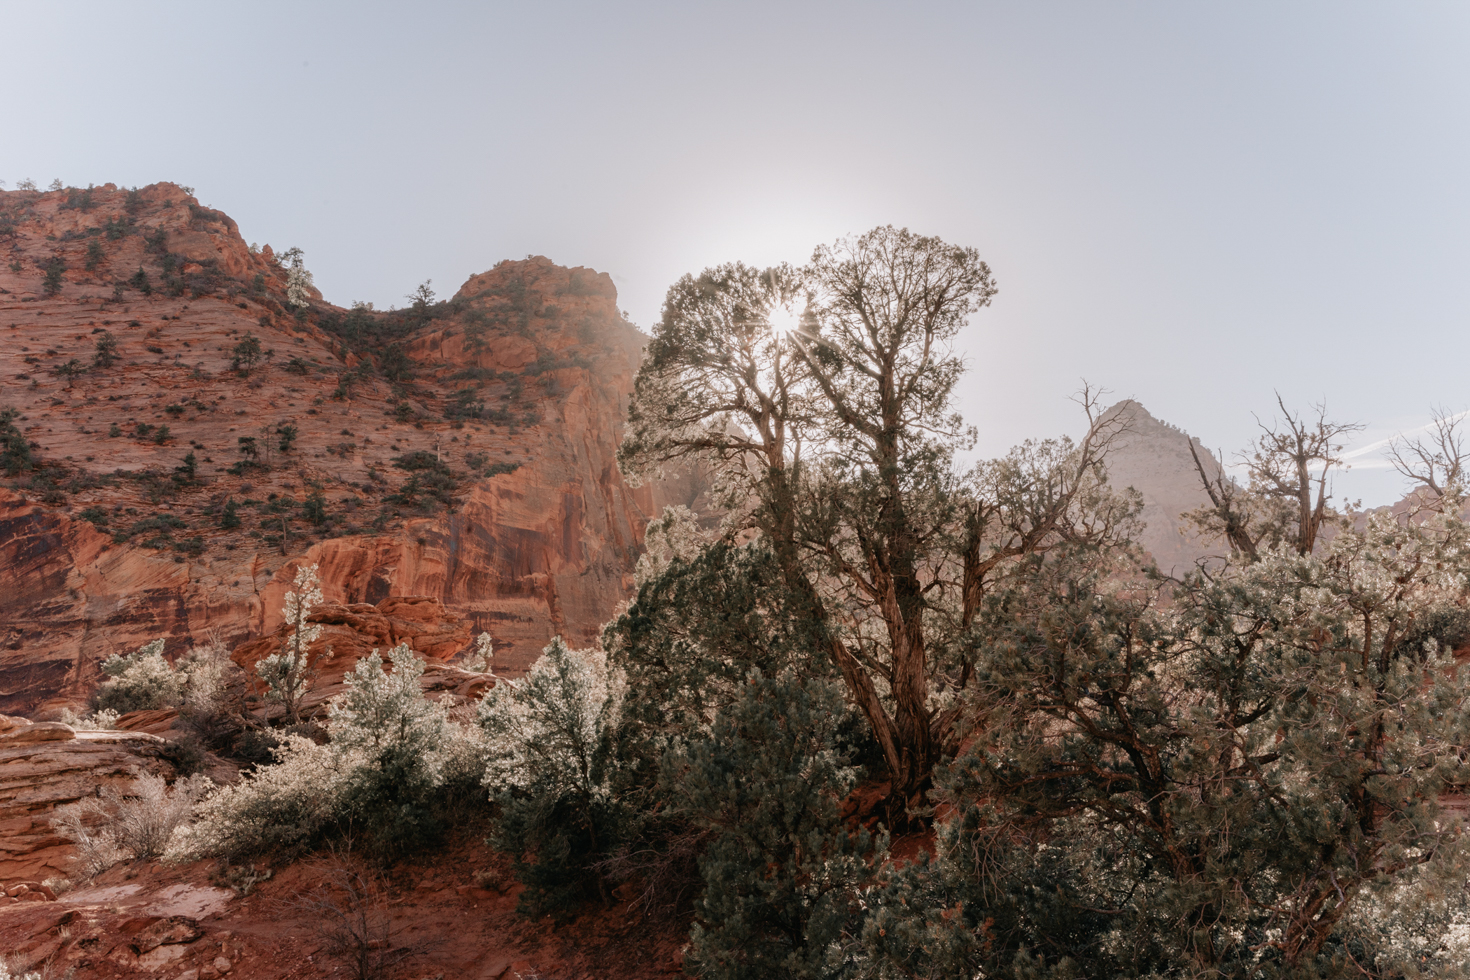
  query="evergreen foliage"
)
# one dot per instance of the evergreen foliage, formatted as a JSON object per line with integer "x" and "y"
{"x": 105, "y": 350}
{"x": 550, "y": 763}
{"x": 246, "y": 354}
{"x": 15, "y": 448}
{"x": 783, "y": 874}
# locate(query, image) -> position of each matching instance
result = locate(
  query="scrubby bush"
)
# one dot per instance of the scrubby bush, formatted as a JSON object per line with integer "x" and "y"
{"x": 390, "y": 756}
{"x": 404, "y": 749}
{"x": 550, "y": 763}
{"x": 139, "y": 823}
{"x": 274, "y": 809}
{"x": 15, "y": 449}
{"x": 482, "y": 659}
{"x": 139, "y": 681}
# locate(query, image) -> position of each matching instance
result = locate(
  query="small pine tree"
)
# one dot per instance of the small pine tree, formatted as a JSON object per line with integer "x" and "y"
{"x": 53, "y": 280}
{"x": 95, "y": 254}
{"x": 141, "y": 283}
{"x": 314, "y": 508}
{"x": 298, "y": 279}
{"x": 287, "y": 433}
{"x": 246, "y": 354}
{"x": 104, "y": 354}
{"x": 187, "y": 471}
{"x": 15, "y": 449}
{"x": 230, "y": 518}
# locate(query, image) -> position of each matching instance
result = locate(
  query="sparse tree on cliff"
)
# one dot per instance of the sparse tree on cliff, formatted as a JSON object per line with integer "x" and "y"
{"x": 246, "y": 354}
{"x": 1286, "y": 500}
{"x": 298, "y": 278}
{"x": 105, "y": 350}
{"x": 287, "y": 674}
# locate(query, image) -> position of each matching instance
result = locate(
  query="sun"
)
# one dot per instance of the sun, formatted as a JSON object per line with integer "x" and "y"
{"x": 783, "y": 322}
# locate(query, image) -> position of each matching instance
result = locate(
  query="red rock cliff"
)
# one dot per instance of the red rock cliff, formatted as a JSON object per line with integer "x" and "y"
{"x": 505, "y": 405}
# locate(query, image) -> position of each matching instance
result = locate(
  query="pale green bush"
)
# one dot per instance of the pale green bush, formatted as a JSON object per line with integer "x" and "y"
{"x": 390, "y": 753}
{"x": 138, "y": 681}
{"x": 114, "y": 825}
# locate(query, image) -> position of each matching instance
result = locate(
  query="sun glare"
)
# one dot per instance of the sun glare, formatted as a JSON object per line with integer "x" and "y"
{"x": 782, "y": 321}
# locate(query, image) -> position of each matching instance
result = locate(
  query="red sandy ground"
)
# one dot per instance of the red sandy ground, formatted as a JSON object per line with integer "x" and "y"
{"x": 452, "y": 927}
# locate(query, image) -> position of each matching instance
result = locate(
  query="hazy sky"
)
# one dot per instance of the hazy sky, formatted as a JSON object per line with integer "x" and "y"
{"x": 1191, "y": 204}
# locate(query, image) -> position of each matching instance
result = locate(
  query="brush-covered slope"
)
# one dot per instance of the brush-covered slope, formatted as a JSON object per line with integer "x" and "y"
{"x": 462, "y": 450}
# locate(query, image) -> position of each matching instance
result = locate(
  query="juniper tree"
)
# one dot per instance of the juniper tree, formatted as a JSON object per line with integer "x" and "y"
{"x": 104, "y": 353}
{"x": 821, "y": 398}
{"x": 246, "y": 354}
{"x": 1219, "y": 784}
{"x": 15, "y": 448}
{"x": 1286, "y": 497}
{"x": 782, "y": 872}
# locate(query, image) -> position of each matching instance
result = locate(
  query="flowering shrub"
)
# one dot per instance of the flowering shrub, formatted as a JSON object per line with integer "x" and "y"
{"x": 287, "y": 673}
{"x": 390, "y": 751}
{"x": 483, "y": 659}
{"x": 550, "y": 742}
{"x": 554, "y": 728}
{"x": 138, "y": 681}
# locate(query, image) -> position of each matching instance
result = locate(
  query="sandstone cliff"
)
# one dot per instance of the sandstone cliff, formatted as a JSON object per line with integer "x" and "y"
{"x": 461, "y": 450}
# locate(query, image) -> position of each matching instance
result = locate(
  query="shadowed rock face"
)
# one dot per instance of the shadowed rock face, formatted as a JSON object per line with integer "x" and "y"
{"x": 546, "y": 548}
{"x": 1153, "y": 458}
{"x": 46, "y": 765}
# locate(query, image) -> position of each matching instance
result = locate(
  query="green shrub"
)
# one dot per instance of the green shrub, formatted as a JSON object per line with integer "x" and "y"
{"x": 783, "y": 874}
{"x": 246, "y": 354}
{"x": 550, "y": 761}
{"x": 15, "y": 449}
{"x": 139, "y": 681}
{"x": 52, "y": 282}
{"x": 141, "y": 283}
{"x": 104, "y": 353}
{"x": 95, "y": 255}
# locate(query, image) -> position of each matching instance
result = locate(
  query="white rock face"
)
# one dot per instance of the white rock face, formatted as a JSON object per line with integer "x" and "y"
{"x": 1153, "y": 458}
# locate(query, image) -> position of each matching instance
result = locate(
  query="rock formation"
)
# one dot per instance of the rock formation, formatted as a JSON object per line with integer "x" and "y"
{"x": 45, "y": 765}
{"x": 1153, "y": 458}
{"x": 462, "y": 450}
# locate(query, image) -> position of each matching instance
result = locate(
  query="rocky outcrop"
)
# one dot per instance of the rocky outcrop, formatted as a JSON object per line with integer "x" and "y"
{"x": 516, "y": 387}
{"x": 1153, "y": 458}
{"x": 352, "y": 631}
{"x": 45, "y": 765}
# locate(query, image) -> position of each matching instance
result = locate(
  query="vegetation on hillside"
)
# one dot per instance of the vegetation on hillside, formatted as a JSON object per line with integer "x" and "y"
{"x": 1103, "y": 771}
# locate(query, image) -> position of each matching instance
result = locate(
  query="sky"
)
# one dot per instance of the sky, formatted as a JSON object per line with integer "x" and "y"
{"x": 1195, "y": 205}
